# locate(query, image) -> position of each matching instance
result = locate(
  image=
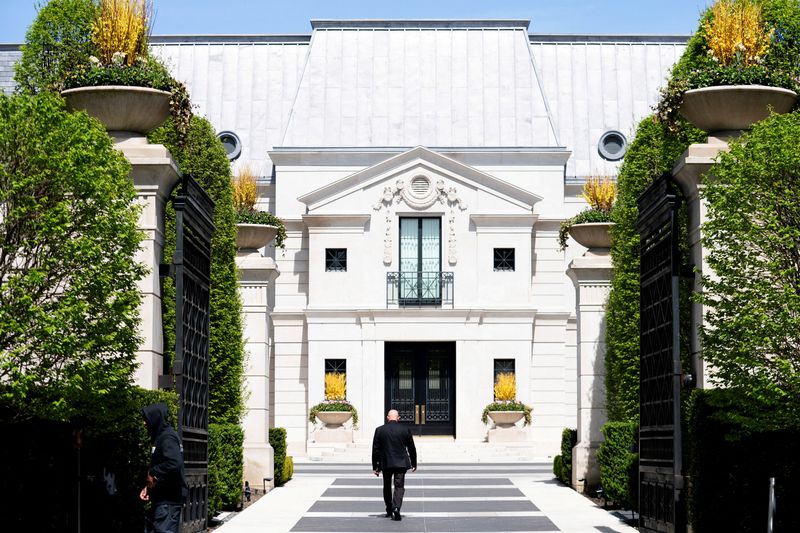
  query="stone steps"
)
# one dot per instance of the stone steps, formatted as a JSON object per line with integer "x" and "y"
{"x": 429, "y": 451}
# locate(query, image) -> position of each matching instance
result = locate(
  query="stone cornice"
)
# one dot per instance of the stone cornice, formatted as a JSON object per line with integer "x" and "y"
{"x": 341, "y": 222}
{"x": 504, "y": 223}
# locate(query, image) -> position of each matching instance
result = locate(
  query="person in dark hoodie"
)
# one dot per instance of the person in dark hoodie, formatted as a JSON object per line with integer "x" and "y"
{"x": 166, "y": 485}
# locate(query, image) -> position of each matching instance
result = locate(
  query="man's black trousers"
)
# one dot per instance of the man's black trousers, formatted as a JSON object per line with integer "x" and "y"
{"x": 398, "y": 475}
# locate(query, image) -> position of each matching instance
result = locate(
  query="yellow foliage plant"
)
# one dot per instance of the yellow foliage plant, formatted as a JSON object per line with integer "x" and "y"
{"x": 244, "y": 188}
{"x": 736, "y": 30}
{"x": 505, "y": 387}
{"x": 335, "y": 386}
{"x": 122, "y": 27}
{"x": 600, "y": 192}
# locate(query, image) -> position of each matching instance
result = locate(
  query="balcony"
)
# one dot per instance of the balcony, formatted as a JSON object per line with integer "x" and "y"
{"x": 419, "y": 289}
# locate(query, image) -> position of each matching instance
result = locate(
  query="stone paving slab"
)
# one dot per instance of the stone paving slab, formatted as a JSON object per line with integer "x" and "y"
{"x": 426, "y": 492}
{"x": 433, "y": 506}
{"x": 413, "y": 481}
{"x": 416, "y": 524}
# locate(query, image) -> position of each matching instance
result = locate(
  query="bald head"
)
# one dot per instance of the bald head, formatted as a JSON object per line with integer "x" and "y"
{"x": 393, "y": 416}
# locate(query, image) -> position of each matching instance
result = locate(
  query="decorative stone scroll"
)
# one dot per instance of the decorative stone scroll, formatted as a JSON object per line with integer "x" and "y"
{"x": 420, "y": 194}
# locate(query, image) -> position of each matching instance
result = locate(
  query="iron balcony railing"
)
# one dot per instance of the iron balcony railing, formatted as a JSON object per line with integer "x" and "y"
{"x": 418, "y": 289}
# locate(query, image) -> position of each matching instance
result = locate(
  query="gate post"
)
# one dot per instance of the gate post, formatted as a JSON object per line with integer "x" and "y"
{"x": 591, "y": 275}
{"x": 256, "y": 275}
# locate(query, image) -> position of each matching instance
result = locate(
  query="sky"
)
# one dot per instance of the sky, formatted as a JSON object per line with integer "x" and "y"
{"x": 215, "y": 17}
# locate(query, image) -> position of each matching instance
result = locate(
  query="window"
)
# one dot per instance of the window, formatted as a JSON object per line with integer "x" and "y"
{"x": 503, "y": 366}
{"x": 335, "y": 259}
{"x": 232, "y": 144}
{"x": 338, "y": 366}
{"x": 420, "y": 261}
{"x": 335, "y": 379}
{"x": 612, "y": 145}
{"x": 504, "y": 259}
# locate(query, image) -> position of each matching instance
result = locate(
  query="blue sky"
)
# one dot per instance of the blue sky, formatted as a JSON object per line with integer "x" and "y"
{"x": 292, "y": 16}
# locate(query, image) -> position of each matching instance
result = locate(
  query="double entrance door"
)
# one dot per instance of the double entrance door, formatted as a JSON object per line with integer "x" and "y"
{"x": 420, "y": 385}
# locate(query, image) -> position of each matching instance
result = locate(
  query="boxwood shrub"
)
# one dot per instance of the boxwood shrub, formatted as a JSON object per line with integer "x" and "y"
{"x": 569, "y": 438}
{"x": 277, "y": 439}
{"x": 617, "y": 461}
{"x": 225, "y": 467}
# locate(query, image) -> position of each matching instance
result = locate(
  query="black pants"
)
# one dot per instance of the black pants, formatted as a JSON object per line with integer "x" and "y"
{"x": 394, "y": 501}
{"x": 163, "y": 518}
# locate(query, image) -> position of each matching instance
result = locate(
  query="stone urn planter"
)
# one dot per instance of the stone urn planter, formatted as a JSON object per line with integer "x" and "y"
{"x": 251, "y": 237}
{"x": 726, "y": 110}
{"x": 334, "y": 419}
{"x": 122, "y": 109}
{"x": 592, "y": 235}
{"x": 506, "y": 419}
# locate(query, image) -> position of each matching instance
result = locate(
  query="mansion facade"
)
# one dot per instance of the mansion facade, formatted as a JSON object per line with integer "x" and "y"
{"x": 422, "y": 169}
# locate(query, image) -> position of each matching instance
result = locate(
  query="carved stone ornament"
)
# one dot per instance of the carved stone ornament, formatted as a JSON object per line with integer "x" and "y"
{"x": 420, "y": 194}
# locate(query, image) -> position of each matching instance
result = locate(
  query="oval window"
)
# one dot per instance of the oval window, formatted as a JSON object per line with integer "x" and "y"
{"x": 612, "y": 145}
{"x": 232, "y": 144}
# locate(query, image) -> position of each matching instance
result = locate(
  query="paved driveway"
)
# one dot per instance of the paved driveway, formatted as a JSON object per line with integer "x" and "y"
{"x": 479, "y": 497}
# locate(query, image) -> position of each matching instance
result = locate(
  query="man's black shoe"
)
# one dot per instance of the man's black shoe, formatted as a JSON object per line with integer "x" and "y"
{"x": 396, "y": 515}
{"x": 388, "y": 513}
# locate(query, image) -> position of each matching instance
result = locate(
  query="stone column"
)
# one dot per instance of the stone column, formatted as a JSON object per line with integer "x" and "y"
{"x": 591, "y": 275}
{"x": 688, "y": 172}
{"x": 154, "y": 174}
{"x": 255, "y": 275}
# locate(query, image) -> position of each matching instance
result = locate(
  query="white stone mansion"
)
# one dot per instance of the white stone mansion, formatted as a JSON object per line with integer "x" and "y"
{"x": 422, "y": 169}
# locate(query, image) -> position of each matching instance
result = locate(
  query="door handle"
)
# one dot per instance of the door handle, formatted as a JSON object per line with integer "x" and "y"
{"x": 423, "y": 413}
{"x": 416, "y": 414}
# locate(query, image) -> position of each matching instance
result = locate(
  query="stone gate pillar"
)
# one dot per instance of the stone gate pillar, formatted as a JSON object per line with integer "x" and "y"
{"x": 256, "y": 273}
{"x": 688, "y": 173}
{"x": 154, "y": 174}
{"x": 591, "y": 275}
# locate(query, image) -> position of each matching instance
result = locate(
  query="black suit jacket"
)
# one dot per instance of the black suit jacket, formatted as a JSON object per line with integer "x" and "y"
{"x": 393, "y": 447}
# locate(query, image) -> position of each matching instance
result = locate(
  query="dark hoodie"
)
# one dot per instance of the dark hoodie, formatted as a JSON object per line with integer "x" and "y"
{"x": 166, "y": 462}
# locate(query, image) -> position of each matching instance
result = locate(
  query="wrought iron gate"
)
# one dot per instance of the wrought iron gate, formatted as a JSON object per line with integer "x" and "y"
{"x": 661, "y": 490}
{"x": 194, "y": 213}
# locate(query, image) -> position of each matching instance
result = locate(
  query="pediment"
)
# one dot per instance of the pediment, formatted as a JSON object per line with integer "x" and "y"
{"x": 420, "y": 178}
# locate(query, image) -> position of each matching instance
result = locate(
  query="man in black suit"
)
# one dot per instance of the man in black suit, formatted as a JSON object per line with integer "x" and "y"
{"x": 393, "y": 453}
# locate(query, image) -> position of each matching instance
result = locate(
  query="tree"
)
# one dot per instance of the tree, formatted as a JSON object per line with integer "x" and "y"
{"x": 69, "y": 299}
{"x": 59, "y": 40}
{"x": 752, "y": 237}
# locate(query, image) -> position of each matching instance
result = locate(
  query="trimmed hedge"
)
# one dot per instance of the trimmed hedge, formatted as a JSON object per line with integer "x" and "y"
{"x": 618, "y": 462}
{"x": 225, "y": 467}
{"x": 558, "y": 467}
{"x": 653, "y": 151}
{"x": 42, "y": 459}
{"x": 204, "y": 157}
{"x": 734, "y": 446}
{"x": 288, "y": 468}
{"x": 277, "y": 439}
{"x": 569, "y": 438}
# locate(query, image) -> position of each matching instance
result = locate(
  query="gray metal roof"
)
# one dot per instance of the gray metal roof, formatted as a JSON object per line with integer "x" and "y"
{"x": 438, "y": 83}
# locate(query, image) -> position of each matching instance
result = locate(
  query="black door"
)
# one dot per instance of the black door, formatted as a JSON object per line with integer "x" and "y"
{"x": 420, "y": 384}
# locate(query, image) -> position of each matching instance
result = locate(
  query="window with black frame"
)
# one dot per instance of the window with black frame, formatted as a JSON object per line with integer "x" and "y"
{"x": 335, "y": 259}
{"x": 503, "y": 366}
{"x": 338, "y": 366}
{"x": 504, "y": 259}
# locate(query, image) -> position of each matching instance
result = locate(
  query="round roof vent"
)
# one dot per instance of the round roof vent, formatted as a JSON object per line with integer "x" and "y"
{"x": 232, "y": 144}
{"x": 420, "y": 186}
{"x": 612, "y": 145}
